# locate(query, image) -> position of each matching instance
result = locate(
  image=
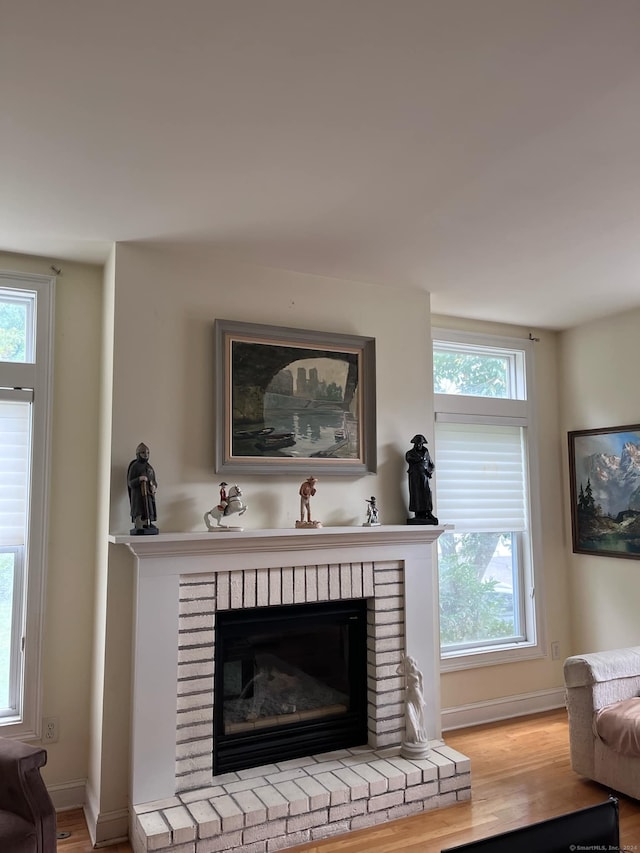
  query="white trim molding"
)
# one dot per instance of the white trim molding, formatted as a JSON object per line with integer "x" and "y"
{"x": 504, "y": 708}
{"x": 68, "y": 795}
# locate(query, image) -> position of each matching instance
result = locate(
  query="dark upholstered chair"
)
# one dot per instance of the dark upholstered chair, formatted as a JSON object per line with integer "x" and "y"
{"x": 27, "y": 816}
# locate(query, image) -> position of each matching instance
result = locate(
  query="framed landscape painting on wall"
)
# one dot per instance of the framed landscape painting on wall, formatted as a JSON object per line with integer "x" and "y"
{"x": 604, "y": 469}
{"x": 292, "y": 400}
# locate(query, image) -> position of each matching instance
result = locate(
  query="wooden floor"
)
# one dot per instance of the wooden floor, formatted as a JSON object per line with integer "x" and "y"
{"x": 520, "y": 774}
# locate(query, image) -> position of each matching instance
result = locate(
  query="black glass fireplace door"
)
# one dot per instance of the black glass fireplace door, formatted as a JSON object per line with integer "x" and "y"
{"x": 289, "y": 681}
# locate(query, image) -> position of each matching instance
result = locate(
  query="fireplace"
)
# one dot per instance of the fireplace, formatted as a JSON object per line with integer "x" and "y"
{"x": 290, "y": 681}
{"x": 188, "y": 586}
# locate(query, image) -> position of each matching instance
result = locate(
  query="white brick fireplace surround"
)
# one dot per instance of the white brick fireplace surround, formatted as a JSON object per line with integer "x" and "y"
{"x": 182, "y": 580}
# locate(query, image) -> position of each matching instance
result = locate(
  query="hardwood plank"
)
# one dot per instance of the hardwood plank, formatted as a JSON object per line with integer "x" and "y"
{"x": 520, "y": 774}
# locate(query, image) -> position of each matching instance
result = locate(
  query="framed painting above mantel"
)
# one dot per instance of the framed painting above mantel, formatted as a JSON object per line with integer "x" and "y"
{"x": 294, "y": 401}
{"x": 604, "y": 472}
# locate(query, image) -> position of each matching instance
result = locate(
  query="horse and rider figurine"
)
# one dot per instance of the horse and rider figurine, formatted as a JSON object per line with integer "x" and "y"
{"x": 231, "y": 503}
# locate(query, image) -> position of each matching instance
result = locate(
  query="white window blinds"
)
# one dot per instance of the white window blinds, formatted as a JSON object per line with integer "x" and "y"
{"x": 480, "y": 477}
{"x": 15, "y": 448}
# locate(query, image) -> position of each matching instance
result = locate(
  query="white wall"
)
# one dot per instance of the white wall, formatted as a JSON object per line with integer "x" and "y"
{"x": 599, "y": 363}
{"x": 167, "y": 299}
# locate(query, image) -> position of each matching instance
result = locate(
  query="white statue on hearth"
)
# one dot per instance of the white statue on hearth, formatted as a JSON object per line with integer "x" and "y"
{"x": 416, "y": 742}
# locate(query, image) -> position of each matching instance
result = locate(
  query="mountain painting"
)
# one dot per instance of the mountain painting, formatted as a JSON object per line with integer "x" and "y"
{"x": 604, "y": 467}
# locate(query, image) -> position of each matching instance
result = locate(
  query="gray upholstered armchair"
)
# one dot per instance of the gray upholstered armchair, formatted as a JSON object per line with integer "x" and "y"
{"x": 603, "y": 701}
{"x": 27, "y": 816}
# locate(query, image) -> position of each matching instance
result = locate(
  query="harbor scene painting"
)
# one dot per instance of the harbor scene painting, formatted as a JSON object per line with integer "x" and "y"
{"x": 289, "y": 398}
{"x": 605, "y": 491}
{"x": 308, "y": 409}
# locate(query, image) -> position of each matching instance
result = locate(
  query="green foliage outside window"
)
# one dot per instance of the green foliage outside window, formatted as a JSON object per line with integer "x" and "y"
{"x": 12, "y": 332}
{"x": 470, "y": 374}
{"x": 471, "y": 608}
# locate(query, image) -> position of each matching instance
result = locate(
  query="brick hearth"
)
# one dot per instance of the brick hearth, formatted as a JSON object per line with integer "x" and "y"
{"x": 270, "y": 808}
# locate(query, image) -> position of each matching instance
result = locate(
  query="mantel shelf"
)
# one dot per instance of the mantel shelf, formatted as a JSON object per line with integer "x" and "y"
{"x": 248, "y": 541}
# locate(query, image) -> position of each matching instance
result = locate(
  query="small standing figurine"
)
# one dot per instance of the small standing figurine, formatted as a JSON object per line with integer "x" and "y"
{"x": 372, "y": 513}
{"x": 142, "y": 486}
{"x": 416, "y": 742}
{"x": 306, "y": 492}
{"x": 420, "y": 470}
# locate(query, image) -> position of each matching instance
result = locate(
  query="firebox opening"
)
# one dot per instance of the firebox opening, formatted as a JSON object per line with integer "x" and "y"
{"x": 290, "y": 681}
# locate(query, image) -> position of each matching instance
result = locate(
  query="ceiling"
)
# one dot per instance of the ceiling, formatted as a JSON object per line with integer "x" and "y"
{"x": 487, "y": 151}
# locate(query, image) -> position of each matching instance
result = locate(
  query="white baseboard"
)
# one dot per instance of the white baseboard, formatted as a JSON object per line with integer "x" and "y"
{"x": 105, "y": 828}
{"x": 113, "y": 828}
{"x": 502, "y": 709}
{"x": 68, "y": 795}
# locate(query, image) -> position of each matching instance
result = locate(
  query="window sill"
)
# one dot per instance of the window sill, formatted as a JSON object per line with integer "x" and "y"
{"x": 494, "y": 656}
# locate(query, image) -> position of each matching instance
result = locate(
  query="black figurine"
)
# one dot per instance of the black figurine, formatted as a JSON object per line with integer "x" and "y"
{"x": 142, "y": 486}
{"x": 420, "y": 470}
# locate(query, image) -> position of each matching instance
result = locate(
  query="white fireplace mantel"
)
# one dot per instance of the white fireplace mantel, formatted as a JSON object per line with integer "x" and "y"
{"x": 162, "y": 559}
{"x": 261, "y": 541}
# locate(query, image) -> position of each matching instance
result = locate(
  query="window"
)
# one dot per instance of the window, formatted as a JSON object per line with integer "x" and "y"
{"x": 486, "y": 487}
{"x": 26, "y": 315}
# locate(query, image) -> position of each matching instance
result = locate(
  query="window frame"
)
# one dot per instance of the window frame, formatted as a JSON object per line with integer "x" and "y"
{"x": 471, "y": 409}
{"x": 516, "y": 361}
{"x": 37, "y": 376}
